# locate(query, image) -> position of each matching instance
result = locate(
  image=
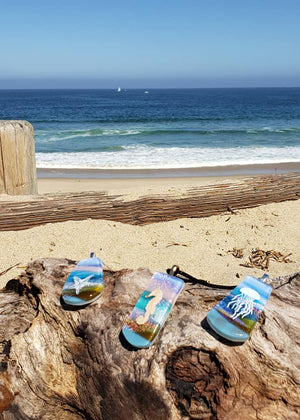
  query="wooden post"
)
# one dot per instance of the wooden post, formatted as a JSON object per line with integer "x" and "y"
{"x": 17, "y": 158}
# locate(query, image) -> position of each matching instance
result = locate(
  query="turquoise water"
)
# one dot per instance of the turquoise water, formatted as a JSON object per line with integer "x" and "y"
{"x": 173, "y": 128}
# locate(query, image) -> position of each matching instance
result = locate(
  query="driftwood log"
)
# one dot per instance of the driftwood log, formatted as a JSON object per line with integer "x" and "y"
{"x": 58, "y": 363}
{"x": 199, "y": 202}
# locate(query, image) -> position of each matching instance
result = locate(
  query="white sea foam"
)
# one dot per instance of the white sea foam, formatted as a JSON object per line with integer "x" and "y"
{"x": 145, "y": 157}
{"x": 45, "y": 137}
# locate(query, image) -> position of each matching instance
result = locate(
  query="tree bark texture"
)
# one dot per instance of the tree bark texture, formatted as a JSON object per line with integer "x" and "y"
{"x": 17, "y": 158}
{"x": 63, "y": 363}
{"x": 199, "y": 202}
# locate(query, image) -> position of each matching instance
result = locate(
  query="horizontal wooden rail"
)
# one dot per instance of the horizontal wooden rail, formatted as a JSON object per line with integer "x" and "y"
{"x": 199, "y": 202}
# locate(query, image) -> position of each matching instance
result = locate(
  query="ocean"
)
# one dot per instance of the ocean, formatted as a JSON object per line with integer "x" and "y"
{"x": 159, "y": 128}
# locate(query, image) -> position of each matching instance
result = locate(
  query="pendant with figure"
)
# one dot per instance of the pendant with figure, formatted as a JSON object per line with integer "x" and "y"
{"x": 85, "y": 282}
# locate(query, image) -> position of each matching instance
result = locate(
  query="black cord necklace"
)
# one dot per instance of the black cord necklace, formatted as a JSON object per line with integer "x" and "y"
{"x": 187, "y": 278}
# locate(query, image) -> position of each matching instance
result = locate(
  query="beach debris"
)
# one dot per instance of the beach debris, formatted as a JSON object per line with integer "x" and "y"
{"x": 107, "y": 266}
{"x": 175, "y": 244}
{"x": 231, "y": 210}
{"x": 236, "y": 252}
{"x": 9, "y": 268}
{"x": 52, "y": 244}
{"x": 261, "y": 259}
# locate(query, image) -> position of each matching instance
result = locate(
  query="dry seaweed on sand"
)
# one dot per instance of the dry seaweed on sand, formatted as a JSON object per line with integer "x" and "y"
{"x": 7, "y": 269}
{"x": 237, "y": 252}
{"x": 261, "y": 259}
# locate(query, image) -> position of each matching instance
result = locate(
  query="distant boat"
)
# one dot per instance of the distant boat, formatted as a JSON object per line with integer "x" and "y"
{"x": 119, "y": 89}
{"x": 146, "y": 91}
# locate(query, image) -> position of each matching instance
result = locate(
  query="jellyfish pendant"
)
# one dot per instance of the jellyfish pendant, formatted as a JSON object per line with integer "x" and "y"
{"x": 243, "y": 303}
{"x": 236, "y": 315}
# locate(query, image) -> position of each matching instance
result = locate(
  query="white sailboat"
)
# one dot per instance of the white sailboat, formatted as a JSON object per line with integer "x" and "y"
{"x": 119, "y": 89}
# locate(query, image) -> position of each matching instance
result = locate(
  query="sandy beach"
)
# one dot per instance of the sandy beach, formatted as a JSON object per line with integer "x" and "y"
{"x": 203, "y": 247}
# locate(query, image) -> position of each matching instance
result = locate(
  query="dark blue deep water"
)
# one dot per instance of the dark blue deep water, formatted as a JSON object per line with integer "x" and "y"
{"x": 160, "y": 129}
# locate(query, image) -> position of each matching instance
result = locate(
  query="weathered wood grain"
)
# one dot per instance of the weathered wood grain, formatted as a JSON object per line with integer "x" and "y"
{"x": 17, "y": 158}
{"x": 59, "y": 363}
{"x": 199, "y": 202}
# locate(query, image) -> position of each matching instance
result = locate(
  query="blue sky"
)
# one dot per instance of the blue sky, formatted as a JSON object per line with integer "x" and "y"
{"x": 149, "y": 43}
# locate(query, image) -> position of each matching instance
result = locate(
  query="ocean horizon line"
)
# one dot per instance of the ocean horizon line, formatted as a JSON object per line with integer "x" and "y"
{"x": 151, "y": 88}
